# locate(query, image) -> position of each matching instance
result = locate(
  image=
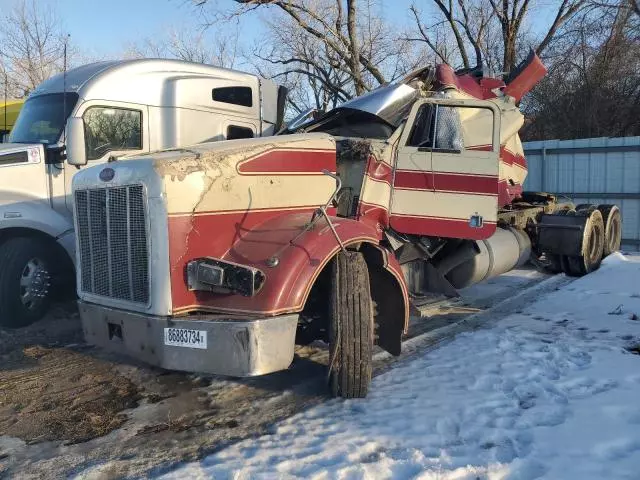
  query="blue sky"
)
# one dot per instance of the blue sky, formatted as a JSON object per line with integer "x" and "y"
{"x": 104, "y": 28}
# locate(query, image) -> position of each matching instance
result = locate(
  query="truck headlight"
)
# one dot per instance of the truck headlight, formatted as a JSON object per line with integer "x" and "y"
{"x": 213, "y": 275}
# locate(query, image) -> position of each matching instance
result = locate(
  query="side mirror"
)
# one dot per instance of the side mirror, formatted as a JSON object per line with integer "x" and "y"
{"x": 76, "y": 153}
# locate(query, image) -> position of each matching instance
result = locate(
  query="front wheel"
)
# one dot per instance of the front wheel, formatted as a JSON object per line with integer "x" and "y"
{"x": 25, "y": 281}
{"x": 350, "y": 327}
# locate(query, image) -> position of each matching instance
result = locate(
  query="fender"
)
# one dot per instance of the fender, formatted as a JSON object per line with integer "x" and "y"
{"x": 35, "y": 215}
{"x": 301, "y": 257}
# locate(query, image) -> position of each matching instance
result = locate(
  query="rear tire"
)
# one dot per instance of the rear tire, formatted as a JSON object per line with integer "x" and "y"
{"x": 612, "y": 228}
{"x": 592, "y": 245}
{"x": 26, "y": 269}
{"x": 585, "y": 206}
{"x": 350, "y": 327}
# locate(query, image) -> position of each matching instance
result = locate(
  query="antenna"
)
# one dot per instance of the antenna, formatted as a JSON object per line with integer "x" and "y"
{"x": 64, "y": 88}
{"x": 6, "y": 93}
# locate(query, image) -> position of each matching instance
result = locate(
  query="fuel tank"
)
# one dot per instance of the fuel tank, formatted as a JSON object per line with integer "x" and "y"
{"x": 506, "y": 249}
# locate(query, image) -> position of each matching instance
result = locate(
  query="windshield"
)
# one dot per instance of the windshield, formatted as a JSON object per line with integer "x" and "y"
{"x": 42, "y": 118}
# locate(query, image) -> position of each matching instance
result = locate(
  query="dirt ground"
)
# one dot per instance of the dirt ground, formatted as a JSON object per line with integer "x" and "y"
{"x": 68, "y": 409}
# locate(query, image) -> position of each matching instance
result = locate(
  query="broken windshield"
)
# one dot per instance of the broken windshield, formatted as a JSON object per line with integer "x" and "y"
{"x": 42, "y": 118}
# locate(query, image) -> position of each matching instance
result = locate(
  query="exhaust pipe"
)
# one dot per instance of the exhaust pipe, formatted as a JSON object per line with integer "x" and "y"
{"x": 524, "y": 77}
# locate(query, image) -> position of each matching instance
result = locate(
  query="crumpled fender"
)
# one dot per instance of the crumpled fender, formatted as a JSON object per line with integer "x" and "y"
{"x": 301, "y": 256}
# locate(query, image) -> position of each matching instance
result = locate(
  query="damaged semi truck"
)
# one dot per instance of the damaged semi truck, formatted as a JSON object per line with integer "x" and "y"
{"x": 221, "y": 257}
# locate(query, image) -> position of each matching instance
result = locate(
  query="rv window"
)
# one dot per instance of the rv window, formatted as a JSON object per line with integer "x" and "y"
{"x": 235, "y": 95}
{"x": 111, "y": 129}
{"x": 234, "y": 132}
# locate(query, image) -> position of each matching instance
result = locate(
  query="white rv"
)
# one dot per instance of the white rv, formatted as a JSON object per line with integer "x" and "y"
{"x": 95, "y": 114}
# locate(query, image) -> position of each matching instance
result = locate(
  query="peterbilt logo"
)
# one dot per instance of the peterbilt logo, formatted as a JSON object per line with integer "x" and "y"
{"x": 107, "y": 174}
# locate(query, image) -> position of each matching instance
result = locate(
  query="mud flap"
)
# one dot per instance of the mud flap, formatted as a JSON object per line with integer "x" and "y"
{"x": 561, "y": 234}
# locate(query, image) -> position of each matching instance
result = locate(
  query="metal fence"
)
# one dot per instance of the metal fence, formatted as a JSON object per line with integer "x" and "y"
{"x": 591, "y": 170}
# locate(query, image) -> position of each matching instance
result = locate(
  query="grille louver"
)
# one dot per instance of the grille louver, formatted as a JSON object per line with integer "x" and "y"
{"x": 112, "y": 239}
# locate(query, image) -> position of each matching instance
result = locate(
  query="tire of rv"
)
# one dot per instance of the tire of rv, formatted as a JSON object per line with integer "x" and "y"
{"x": 350, "y": 327}
{"x": 26, "y": 267}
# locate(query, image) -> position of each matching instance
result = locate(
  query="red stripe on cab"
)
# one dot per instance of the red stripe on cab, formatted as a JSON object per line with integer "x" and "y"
{"x": 446, "y": 182}
{"x": 290, "y": 162}
{"x": 441, "y": 227}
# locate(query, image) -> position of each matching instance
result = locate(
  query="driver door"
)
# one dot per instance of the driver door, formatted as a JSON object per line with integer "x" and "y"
{"x": 111, "y": 129}
{"x": 446, "y": 172}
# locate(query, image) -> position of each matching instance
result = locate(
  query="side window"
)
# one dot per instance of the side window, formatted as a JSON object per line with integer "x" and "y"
{"x": 108, "y": 129}
{"x": 422, "y": 133}
{"x": 441, "y": 128}
{"x": 235, "y": 95}
{"x": 448, "y": 130}
{"x": 477, "y": 128}
{"x": 234, "y": 132}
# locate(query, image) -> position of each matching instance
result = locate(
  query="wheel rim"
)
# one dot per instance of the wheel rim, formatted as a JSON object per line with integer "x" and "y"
{"x": 34, "y": 284}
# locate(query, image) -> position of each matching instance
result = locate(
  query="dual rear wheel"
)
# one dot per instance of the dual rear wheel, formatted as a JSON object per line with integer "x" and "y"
{"x": 601, "y": 236}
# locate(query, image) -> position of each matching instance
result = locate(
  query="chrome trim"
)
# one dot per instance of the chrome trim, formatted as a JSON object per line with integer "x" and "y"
{"x": 239, "y": 347}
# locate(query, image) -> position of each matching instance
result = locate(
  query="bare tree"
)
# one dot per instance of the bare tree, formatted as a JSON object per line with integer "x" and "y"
{"x": 191, "y": 45}
{"x": 326, "y": 51}
{"x": 310, "y": 70}
{"x": 31, "y": 46}
{"x": 472, "y": 24}
{"x": 326, "y": 22}
{"x": 595, "y": 91}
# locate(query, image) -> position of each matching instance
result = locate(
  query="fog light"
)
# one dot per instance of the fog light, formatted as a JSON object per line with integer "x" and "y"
{"x": 219, "y": 276}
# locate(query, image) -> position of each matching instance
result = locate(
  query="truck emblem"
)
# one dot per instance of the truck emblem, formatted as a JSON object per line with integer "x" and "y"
{"x": 107, "y": 174}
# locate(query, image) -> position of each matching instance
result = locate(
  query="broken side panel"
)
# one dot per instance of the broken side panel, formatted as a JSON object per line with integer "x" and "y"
{"x": 446, "y": 174}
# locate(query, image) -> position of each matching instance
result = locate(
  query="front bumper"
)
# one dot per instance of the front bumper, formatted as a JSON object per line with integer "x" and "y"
{"x": 235, "y": 347}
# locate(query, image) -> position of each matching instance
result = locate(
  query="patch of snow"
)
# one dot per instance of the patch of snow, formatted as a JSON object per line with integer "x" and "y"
{"x": 551, "y": 392}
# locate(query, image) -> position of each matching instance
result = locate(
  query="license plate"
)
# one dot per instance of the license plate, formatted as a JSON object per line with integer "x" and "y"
{"x": 183, "y": 337}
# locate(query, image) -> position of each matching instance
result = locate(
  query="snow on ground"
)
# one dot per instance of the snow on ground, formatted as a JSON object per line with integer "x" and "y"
{"x": 550, "y": 392}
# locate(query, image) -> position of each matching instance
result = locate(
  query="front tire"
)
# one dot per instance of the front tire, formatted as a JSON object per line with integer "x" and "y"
{"x": 26, "y": 267}
{"x": 350, "y": 327}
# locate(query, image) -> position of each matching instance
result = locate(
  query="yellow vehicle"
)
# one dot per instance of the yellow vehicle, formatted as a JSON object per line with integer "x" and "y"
{"x": 9, "y": 111}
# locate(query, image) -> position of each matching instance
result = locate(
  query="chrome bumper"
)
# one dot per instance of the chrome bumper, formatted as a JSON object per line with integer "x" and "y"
{"x": 235, "y": 347}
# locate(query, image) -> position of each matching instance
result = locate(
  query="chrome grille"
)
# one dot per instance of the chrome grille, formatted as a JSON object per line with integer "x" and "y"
{"x": 112, "y": 242}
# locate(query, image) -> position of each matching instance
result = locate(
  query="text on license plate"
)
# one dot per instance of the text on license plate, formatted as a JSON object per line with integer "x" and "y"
{"x": 183, "y": 337}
